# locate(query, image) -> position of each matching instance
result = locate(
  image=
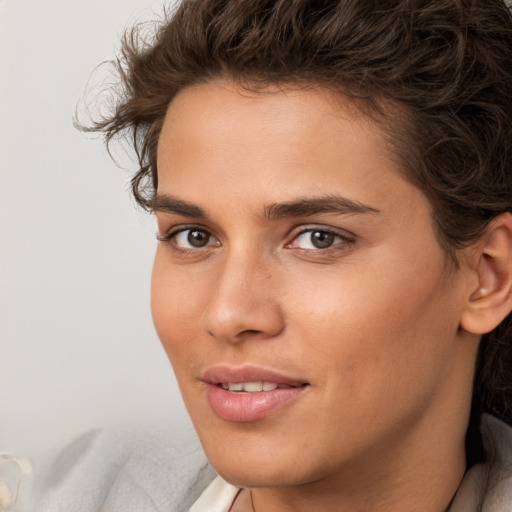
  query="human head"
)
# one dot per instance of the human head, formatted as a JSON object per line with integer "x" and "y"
{"x": 436, "y": 74}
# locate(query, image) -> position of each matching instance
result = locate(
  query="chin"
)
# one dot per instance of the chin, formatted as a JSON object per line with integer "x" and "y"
{"x": 254, "y": 465}
{"x": 249, "y": 476}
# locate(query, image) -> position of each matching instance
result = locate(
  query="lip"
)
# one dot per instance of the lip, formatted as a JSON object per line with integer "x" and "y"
{"x": 248, "y": 407}
{"x": 220, "y": 374}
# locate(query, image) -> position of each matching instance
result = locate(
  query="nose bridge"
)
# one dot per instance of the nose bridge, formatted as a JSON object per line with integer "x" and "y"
{"x": 243, "y": 302}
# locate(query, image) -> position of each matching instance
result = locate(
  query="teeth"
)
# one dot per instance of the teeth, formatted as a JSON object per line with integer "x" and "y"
{"x": 250, "y": 387}
{"x": 253, "y": 387}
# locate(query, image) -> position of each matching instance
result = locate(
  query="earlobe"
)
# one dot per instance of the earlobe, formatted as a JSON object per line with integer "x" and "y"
{"x": 491, "y": 300}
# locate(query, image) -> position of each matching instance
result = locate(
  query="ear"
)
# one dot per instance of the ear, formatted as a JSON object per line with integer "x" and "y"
{"x": 490, "y": 301}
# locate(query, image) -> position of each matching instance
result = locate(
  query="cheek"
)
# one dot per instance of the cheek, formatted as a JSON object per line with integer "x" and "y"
{"x": 175, "y": 303}
{"x": 380, "y": 359}
{"x": 376, "y": 322}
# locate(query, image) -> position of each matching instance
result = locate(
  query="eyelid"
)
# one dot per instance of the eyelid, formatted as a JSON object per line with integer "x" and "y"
{"x": 172, "y": 233}
{"x": 346, "y": 237}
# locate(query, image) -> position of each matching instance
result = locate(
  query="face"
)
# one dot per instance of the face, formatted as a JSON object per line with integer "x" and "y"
{"x": 298, "y": 287}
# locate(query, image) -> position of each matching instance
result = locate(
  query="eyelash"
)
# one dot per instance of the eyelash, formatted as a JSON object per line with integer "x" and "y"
{"x": 346, "y": 241}
{"x": 169, "y": 238}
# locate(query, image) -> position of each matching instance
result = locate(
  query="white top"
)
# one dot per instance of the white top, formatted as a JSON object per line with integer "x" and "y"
{"x": 217, "y": 497}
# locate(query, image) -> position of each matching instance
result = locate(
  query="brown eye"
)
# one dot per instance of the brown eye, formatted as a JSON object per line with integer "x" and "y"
{"x": 322, "y": 239}
{"x": 197, "y": 238}
{"x": 193, "y": 238}
{"x": 318, "y": 239}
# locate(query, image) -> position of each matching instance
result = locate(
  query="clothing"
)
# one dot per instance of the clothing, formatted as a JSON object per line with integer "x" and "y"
{"x": 122, "y": 469}
{"x": 217, "y": 497}
{"x": 126, "y": 470}
{"x": 488, "y": 487}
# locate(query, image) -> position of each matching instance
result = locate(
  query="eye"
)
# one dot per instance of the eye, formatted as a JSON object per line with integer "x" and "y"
{"x": 190, "y": 238}
{"x": 315, "y": 239}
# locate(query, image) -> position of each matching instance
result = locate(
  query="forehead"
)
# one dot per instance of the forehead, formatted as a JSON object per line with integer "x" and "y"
{"x": 286, "y": 100}
{"x": 220, "y": 124}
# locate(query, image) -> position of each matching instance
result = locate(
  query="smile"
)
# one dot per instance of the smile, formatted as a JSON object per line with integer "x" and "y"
{"x": 254, "y": 387}
{"x": 248, "y": 393}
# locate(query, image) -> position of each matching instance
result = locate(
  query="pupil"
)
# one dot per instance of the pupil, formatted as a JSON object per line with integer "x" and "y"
{"x": 197, "y": 238}
{"x": 321, "y": 239}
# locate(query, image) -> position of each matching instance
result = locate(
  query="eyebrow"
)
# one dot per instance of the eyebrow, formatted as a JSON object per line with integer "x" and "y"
{"x": 165, "y": 203}
{"x": 301, "y": 207}
{"x": 316, "y": 205}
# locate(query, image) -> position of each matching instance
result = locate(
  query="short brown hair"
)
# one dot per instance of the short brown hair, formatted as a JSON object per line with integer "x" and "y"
{"x": 444, "y": 65}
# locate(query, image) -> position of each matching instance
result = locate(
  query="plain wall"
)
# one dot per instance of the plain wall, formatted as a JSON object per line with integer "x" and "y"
{"x": 77, "y": 346}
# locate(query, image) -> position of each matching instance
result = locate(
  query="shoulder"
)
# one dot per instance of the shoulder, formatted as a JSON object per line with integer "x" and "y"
{"x": 134, "y": 470}
{"x": 489, "y": 486}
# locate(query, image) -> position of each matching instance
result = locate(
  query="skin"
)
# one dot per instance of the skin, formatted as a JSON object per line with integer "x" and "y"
{"x": 372, "y": 322}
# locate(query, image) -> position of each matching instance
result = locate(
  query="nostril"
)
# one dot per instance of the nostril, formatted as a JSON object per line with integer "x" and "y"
{"x": 240, "y": 334}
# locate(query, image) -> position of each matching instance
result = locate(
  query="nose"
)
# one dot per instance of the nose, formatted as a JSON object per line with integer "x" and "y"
{"x": 244, "y": 301}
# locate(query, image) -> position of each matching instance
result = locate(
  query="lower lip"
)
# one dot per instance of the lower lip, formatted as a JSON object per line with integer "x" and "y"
{"x": 246, "y": 407}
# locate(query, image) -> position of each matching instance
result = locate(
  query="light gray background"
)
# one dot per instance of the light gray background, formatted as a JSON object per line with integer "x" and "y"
{"x": 77, "y": 346}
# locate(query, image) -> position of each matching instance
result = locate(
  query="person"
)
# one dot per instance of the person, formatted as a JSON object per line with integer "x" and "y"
{"x": 332, "y": 184}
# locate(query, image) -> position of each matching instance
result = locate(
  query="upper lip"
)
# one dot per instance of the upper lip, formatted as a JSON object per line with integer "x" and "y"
{"x": 235, "y": 375}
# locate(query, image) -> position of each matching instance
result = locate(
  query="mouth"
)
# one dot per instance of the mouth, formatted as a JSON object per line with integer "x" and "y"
{"x": 250, "y": 378}
{"x": 250, "y": 394}
{"x": 255, "y": 387}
